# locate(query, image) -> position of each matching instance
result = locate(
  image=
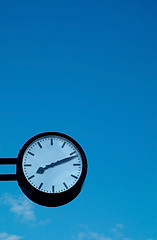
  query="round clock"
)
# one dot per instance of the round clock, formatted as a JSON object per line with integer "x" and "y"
{"x": 51, "y": 169}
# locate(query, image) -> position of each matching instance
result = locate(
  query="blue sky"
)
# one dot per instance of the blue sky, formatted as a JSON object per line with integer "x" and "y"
{"x": 86, "y": 69}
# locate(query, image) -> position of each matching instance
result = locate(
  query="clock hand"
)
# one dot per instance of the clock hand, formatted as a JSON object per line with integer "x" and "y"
{"x": 64, "y": 160}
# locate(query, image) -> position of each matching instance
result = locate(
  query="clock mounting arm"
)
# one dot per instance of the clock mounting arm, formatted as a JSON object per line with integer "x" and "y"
{"x": 8, "y": 161}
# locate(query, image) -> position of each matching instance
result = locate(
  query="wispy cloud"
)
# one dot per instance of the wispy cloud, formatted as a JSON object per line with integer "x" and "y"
{"x": 92, "y": 236}
{"x": 119, "y": 225}
{"x": 21, "y": 207}
{"x": 117, "y": 232}
{"x": 6, "y": 236}
{"x": 84, "y": 233}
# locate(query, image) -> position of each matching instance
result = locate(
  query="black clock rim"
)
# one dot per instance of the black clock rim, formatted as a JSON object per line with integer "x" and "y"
{"x": 50, "y": 199}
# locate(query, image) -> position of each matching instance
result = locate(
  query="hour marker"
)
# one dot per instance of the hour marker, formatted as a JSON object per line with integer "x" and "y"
{"x": 39, "y": 144}
{"x": 51, "y": 141}
{"x": 31, "y": 177}
{"x": 74, "y": 176}
{"x": 27, "y": 165}
{"x": 65, "y": 185}
{"x": 40, "y": 185}
{"x": 31, "y": 153}
{"x": 53, "y": 189}
{"x": 63, "y": 144}
{"x": 72, "y": 153}
{"x": 76, "y": 164}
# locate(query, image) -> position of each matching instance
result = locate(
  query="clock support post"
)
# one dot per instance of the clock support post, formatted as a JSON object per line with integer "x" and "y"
{"x": 8, "y": 161}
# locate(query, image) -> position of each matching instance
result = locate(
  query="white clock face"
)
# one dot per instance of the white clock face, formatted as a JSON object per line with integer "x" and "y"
{"x": 52, "y": 164}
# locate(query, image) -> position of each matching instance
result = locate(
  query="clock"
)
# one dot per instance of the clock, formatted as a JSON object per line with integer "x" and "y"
{"x": 51, "y": 169}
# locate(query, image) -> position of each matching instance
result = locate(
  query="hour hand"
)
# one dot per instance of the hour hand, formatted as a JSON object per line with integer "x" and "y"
{"x": 40, "y": 170}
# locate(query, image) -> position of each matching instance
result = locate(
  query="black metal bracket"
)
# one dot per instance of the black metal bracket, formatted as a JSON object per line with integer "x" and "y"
{"x": 8, "y": 161}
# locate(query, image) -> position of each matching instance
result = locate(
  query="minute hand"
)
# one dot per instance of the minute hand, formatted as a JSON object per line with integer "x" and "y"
{"x": 64, "y": 160}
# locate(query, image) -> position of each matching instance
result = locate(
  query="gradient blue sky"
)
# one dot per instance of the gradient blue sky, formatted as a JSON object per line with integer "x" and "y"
{"x": 87, "y": 69}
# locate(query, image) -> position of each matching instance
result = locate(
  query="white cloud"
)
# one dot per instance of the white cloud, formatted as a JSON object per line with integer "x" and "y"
{"x": 44, "y": 222}
{"x": 21, "y": 207}
{"x": 92, "y": 236}
{"x": 98, "y": 236}
{"x": 119, "y": 225}
{"x": 81, "y": 235}
{"x": 85, "y": 234}
{"x": 117, "y": 232}
{"x": 6, "y": 236}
